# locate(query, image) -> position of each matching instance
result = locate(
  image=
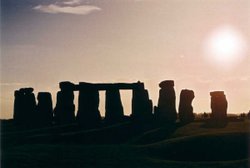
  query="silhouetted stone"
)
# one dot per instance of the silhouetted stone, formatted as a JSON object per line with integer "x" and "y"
{"x": 166, "y": 110}
{"x": 29, "y": 106}
{"x": 113, "y": 106}
{"x": 67, "y": 86}
{"x": 218, "y": 106}
{"x": 18, "y": 107}
{"x": 186, "y": 114}
{"x": 166, "y": 84}
{"x": 107, "y": 86}
{"x": 65, "y": 108}
{"x": 24, "y": 106}
{"x": 27, "y": 91}
{"x": 44, "y": 108}
{"x": 88, "y": 102}
{"x": 141, "y": 104}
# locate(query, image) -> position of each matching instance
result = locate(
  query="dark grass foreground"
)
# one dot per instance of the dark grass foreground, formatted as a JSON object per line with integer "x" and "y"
{"x": 191, "y": 145}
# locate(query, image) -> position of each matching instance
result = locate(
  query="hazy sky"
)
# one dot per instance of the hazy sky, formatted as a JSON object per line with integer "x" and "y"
{"x": 202, "y": 45}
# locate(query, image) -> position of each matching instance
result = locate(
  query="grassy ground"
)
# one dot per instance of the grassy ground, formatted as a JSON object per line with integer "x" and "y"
{"x": 192, "y": 145}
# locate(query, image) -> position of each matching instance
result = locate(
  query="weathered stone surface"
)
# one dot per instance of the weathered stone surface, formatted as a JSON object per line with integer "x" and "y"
{"x": 218, "y": 105}
{"x": 186, "y": 114}
{"x": 166, "y": 109}
{"x": 88, "y": 102}
{"x": 44, "y": 108}
{"x": 113, "y": 106}
{"x": 64, "y": 111}
{"x": 24, "y": 106}
{"x": 141, "y": 104}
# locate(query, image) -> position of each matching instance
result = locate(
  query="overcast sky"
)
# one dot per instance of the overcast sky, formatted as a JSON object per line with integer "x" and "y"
{"x": 47, "y": 41}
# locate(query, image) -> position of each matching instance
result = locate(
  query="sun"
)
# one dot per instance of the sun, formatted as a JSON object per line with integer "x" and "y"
{"x": 225, "y": 46}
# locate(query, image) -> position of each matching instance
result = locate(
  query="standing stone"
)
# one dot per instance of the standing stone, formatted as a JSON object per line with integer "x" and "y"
{"x": 64, "y": 111}
{"x": 18, "y": 107}
{"x": 29, "y": 105}
{"x": 67, "y": 86}
{"x": 113, "y": 106}
{"x": 44, "y": 109}
{"x": 218, "y": 105}
{"x": 88, "y": 113}
{"x": 24, "y": 106}
{"x": 141, "y": 104}
{"x": 186, "y": 114}
{"x": 166, "y": 110}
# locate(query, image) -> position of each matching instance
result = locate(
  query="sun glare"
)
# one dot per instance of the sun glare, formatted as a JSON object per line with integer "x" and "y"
{"x": 225, "y": 46}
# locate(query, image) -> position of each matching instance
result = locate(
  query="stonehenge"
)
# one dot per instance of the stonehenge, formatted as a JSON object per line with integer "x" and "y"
{"x": 27, "y": 112}
{"x": 186, "y": 114}
{"x": 166, "y": 109}
{"x": 88, "y": 104}
{"x": 218, "y": 105}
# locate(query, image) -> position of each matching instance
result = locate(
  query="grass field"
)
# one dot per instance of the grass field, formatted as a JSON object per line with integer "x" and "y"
{"x": 121, "y": 145}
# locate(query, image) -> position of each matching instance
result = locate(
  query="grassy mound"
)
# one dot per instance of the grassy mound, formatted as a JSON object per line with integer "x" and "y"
{"x": 192, "y": 129}
{"x": 202, "y": 148}
{"x": 125, "y": 145}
